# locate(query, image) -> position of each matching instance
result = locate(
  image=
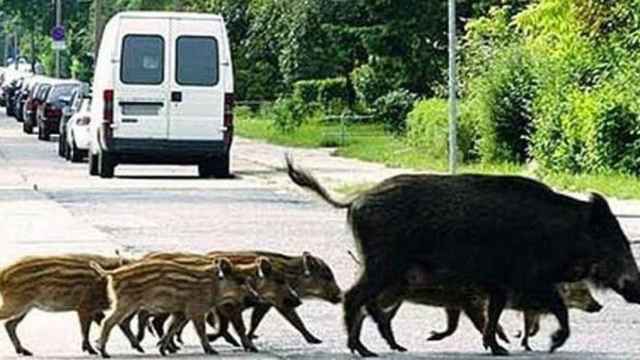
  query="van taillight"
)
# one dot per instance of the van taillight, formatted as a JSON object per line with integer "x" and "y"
{"x": 229, "y": 102}
{"x": 107, "y": 110}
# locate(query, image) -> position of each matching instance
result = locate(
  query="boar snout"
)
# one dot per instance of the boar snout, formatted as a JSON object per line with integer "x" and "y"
{"x": 594, "y": 307}
{"x": 630, "y": 291}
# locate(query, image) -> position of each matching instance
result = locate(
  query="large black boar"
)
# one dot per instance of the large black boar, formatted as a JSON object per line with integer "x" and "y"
{"x": 502, "y": 233}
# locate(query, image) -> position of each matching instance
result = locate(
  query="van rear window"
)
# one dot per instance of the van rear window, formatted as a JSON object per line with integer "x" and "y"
{"x": 197, "y": 61}
{"x": 142, "y": 60}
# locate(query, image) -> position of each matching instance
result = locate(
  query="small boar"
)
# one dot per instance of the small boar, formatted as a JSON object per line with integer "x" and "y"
{"x": 308, "y": 275}
{"x": 473, "y": 302}
{"x": 504, "y": 234}
{"x": 187, "y": 292}
{"x": 270, "y": 285}
{"x": 55, "y": 284}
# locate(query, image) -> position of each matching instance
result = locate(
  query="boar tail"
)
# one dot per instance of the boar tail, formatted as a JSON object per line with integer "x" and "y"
{"x": 95, "y": 266}
{"x": 305, "y": 180}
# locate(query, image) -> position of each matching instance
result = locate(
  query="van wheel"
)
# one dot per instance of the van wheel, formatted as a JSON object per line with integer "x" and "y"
{"x": 105, "y": 165}
{"x": 75, "y": 154}
{"x": 217, "y": 167}
{"x": 93, "y": 164}
{"x": 220, "y": 167}
{"x": 27, "y": 128}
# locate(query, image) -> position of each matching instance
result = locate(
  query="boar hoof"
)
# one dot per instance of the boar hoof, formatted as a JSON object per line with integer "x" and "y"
{"x": 88, "y": 348}
{"x": 498, "y": 350}
{"x": 313, "y": 340}
{"x": 251, "y": 348}
{"x": 24, "y": 352}
{"x": 398, "y": 347}
{"x": 356, "y": 346}
{"x": 437, "y": 336}
{"x": 138, "y": 348}
{"x": 179, "y": 339}
{"x": 558, "y": 339}
{"x": 210, "y": 351}
{"x": 104, "y": 354}
{"x": 252, "y": 336}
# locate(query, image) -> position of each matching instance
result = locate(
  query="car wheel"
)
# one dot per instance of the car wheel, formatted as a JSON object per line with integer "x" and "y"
{"x": 93, "y": 164}
{"x": 61, "y": 146}
{"x": 204, "y": 170}
{"x": 75, "y": 153}
{"x": 105, "y": 165}
{"x": 27, "y": 128}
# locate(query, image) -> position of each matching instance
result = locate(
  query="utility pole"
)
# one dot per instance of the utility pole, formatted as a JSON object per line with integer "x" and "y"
{"x": 58, "y": 24}
{"x": 453, "y": 106}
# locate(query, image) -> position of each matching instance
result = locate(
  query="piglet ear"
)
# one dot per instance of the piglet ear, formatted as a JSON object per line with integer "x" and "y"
{"x": 224, "y": 267}
{"x": 265, "y": 267}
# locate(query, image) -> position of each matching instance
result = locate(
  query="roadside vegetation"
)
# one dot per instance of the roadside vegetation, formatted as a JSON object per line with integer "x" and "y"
{"x": 548, "y": 88}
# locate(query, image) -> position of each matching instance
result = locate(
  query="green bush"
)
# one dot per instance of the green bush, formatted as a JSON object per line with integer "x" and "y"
{"x": 392, "y": 109}
{"x": 370, "y": 84}
{"x": 428, "y": 129}
{"x": 502, "y": 99}
{"x": 287, "y": 114}
{"x": 331, "y": 93}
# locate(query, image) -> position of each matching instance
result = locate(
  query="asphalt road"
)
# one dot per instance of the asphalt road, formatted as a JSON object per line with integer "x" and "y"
{"x": 49, "y": 206}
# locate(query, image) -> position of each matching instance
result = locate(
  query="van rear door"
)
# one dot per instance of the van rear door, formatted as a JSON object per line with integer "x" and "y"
{"x": 197, "y": 84}
{"x": 141, "y": 87}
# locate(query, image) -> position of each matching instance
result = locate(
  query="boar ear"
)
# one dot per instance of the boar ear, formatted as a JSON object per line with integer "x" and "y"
{"x": 307, "y": 259}
{"x": 600, "y": 210}
{"x": 264, "y": 267}
{"x": 224, "y": 267}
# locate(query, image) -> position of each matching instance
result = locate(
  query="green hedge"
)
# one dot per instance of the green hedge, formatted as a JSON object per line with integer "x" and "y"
{"x": 329, "y": 93}
{"x": 428, "y": 129}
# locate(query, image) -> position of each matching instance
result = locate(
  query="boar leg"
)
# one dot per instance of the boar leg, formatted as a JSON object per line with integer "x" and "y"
{"x": 143, "y": 323}
{"x": 383, "y": 321}
{"x": 166, "y": 342}
{"x": 200, "y": 326}
{"x": 529, "y": 318}
{"x": 294, "y": 319}
{"x": 453, "y": 319}
{"x": 85, "y": 319}
{"x": 11, "y": 326}
{"x": 477, "y": 314}
{"x": 366, "y": 290}
{"x": 559, "y": 309}
{"x": 497, "y": 303}
{"x": 259, "y": 312}
{"x": 223, "y": 329}
{"x": 125, "y": 327}
{"x": 114, "y": 319}
{"x": 238, "y": 325}
{"x": 158, "y": 324}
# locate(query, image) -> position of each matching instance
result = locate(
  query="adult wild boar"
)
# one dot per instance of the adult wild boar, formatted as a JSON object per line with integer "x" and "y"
{"x": 504, "y": 234}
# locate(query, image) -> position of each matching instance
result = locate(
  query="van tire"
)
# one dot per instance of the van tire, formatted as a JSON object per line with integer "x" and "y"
{"x": 217, "y": 167}
{"x": 93, "y": 164}
{"x": 27, "y": 128}
{"x": 105, "y": 165}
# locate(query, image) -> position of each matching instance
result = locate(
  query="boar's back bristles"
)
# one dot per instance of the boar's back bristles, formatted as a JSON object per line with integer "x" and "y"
{"x": 140, "y": 275}
{"x": 29, "y": 272}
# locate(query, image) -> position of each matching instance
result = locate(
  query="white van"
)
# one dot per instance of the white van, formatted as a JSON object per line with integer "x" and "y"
{"x": 162, "y": 93}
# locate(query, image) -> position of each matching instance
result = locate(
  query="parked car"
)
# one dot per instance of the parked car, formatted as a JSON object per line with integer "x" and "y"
{"x": 77, "y": 137}
{"x": 163, "y": 93}
{"x": 22, "y": 95}
{"x": 13, "y": 81}
{"x": 40, "y": 95}
{"x": 72, "y": 105}
{"x": 50, "y": 111}
{"x": 31, "y": 103}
